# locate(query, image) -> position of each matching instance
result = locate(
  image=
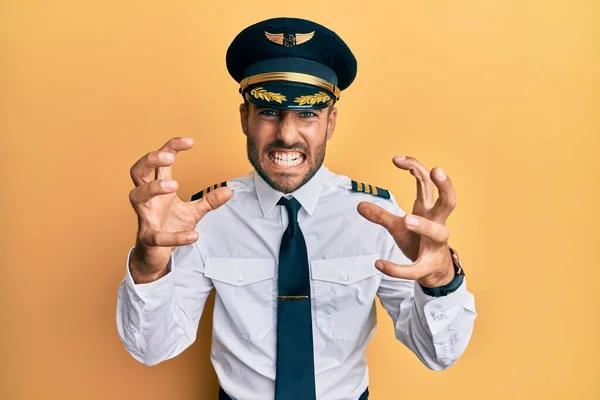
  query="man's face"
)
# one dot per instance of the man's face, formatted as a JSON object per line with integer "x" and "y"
{"x": 286, "y": 147}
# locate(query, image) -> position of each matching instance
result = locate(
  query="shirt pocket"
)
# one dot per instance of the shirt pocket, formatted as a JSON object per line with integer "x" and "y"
{"x": 344, "y": 295}
{"x": 246, "y": 288}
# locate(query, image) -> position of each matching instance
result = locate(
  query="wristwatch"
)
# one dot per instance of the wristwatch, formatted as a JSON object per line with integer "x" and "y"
{"x": 454, "y": 284}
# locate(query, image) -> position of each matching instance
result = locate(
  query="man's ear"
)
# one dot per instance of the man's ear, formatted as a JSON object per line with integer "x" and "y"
{"x": 331, "y": 120}
{"x": 244, "y": 118}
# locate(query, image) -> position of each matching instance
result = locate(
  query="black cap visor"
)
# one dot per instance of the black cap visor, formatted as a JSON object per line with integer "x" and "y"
{"x": 288, "y": 95}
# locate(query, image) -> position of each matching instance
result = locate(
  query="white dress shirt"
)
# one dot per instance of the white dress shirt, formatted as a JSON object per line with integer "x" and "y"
{"x": 237, "y": 254}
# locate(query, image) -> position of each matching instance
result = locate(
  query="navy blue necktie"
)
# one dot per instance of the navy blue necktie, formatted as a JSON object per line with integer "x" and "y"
{"x": 295, "y": 370}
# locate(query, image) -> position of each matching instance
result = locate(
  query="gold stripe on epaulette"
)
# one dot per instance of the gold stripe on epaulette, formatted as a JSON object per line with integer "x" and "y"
{"x": 367, "y": 188}
{"x": 375, "y": 190}
{"x": 360, "y": 186}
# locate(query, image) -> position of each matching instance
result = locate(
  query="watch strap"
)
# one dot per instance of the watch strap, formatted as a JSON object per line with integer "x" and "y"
{"x": 444, "y": 290}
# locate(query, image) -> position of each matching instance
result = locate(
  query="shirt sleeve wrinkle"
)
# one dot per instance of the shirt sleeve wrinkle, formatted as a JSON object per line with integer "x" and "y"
{"x": 159, "y": 320}
{"x": 128, "y": 320}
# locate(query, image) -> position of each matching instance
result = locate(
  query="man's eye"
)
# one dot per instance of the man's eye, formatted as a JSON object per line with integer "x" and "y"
{"x": 269, "y": 113}
{"x": 307, "y": 114}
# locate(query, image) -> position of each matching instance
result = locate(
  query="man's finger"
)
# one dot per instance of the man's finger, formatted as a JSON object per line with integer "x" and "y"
{"x": 211, "y": 201}
{"x": 446, "y": 201}
{"x": 157, "y": 161}
{"x": 147, "y": 191}
{"x": 425, "y": 192}
{"x": 378, "y": 215}
{"x": 173, "y": 146}
{"x": 409, "y": 271}
{"x": 153, "y": 238}
{"x": 142, "y": 171}
{"x": 433, "y": 230}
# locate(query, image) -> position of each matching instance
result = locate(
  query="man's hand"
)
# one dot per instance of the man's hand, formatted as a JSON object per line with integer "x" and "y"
{"x": 422, "y": 236}
{"x": 164, "y": 220}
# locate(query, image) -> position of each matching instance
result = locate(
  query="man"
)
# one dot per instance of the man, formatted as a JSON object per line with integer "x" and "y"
{"x": 296, "y": 253}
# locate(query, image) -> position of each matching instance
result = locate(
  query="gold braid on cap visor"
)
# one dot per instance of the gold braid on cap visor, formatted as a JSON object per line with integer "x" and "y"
{"x": 290, "y": 77}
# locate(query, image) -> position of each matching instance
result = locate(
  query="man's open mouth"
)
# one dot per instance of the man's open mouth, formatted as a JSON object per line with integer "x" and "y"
{"x": 287, "y": 158}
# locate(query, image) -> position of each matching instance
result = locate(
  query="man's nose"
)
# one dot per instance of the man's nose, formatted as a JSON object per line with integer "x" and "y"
{"x": 286, "y": 130}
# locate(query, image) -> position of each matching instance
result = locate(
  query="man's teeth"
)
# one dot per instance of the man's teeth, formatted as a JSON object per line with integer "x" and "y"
{"x": 286, "y": 159}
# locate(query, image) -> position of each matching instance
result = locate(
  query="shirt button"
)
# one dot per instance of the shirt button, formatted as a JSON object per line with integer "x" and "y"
{"x": 347, "y": 277}
{"x": 240, "y": 278}
{"x": 438, "y": 317}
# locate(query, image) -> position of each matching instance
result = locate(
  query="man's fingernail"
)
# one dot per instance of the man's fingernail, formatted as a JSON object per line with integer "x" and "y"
{"x": 412, "y": 220}
{"x": 440, "y": 174}
{"x": 399, "y": 158}
{"x": 379, "y": 265}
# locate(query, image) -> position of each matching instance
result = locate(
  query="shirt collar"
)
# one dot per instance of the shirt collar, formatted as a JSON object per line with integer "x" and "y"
{"x": 307, "y": 195}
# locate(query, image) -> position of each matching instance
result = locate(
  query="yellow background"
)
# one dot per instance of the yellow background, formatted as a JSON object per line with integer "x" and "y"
{"x": 504, "y": 95}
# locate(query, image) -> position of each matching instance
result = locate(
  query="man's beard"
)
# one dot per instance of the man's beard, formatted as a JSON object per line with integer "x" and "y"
{"x": 286, "y": 183}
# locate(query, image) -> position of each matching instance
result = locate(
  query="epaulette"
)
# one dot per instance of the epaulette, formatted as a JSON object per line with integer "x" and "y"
{"x": 207, "y": 190}
{"x": 374, "y": 190}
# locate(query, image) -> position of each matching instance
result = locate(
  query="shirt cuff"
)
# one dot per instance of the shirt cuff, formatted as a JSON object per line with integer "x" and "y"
{"x": 439, "y": 312}
{"x": 152, "y": 293}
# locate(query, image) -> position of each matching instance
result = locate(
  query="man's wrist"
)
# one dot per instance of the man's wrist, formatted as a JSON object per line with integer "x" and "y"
{"x": 442, "y": 281}
{"x": 141, "y": 273}
{"x": 444, "y": 290}
{"x": 450, "y": 283}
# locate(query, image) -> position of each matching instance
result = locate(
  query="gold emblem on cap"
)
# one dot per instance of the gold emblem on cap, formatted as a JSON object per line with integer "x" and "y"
{"x": 312, "y": 99}
{"x": 261, "y": 93}
{"x": 289, "y": 39}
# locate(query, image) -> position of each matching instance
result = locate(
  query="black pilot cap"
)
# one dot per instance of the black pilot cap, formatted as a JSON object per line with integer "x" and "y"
{"x": 290, "y": 63}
